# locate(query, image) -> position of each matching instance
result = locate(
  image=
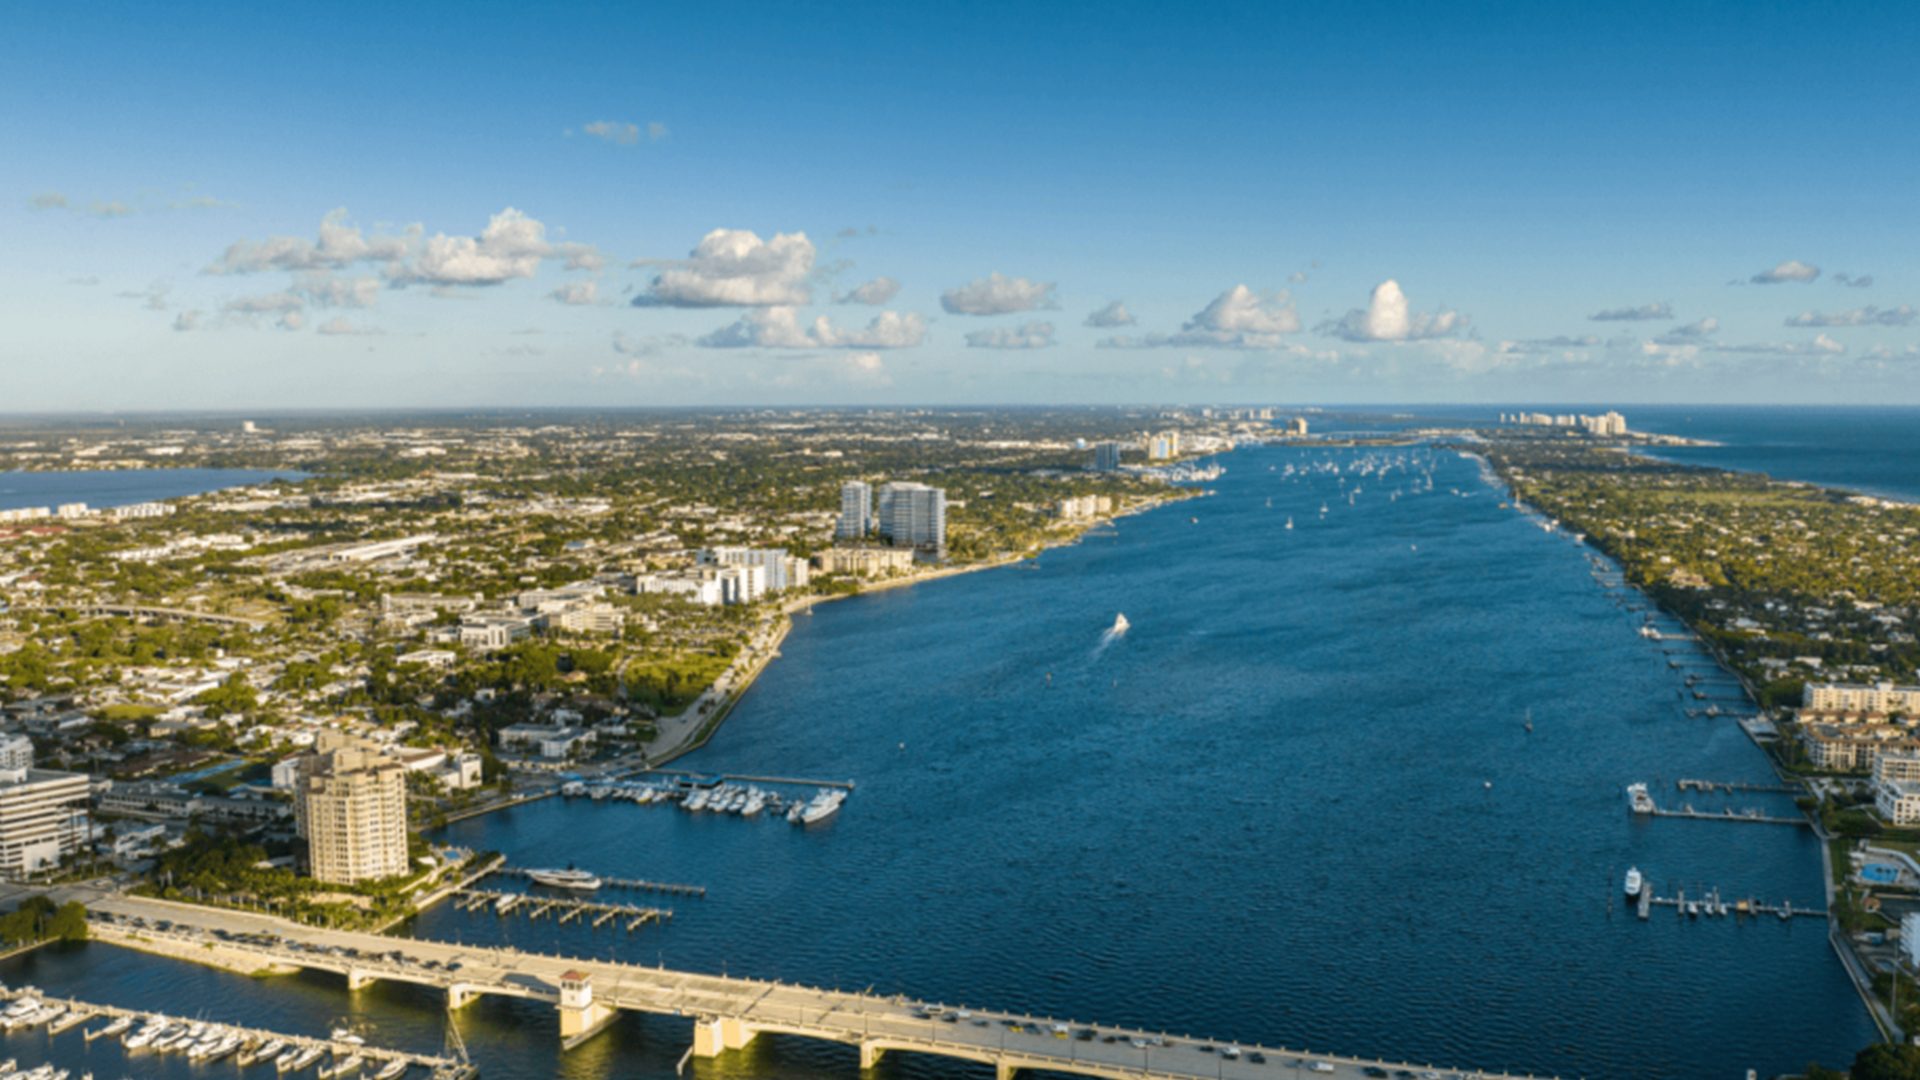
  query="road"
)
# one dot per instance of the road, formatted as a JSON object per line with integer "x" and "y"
{"x": 892, "y": 1024}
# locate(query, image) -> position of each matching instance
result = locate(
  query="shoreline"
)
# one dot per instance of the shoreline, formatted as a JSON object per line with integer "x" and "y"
{"x": 1887, "y": 1026}
{"x": 697, "y": 734}
{"x": 695, "y": 726}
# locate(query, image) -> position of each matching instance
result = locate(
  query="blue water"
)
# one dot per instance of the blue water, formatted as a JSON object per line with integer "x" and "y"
{"x": 1294, "y": 804}
{"x": 122, "y": 487}
{"x": 1859, "y": 448}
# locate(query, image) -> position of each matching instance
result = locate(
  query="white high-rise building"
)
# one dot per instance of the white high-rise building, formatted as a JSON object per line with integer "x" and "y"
{"x": 741, "y": 584}
{"x": 856, "y": 511}
{"x": 781, "y": 570}
{"x": 43, "y": 819}
{"x": 915, "y": 516}
{"x": 351, "y": 805}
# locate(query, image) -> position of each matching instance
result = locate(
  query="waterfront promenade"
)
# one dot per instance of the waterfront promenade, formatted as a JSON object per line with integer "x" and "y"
{"x": 727, "y": 1012}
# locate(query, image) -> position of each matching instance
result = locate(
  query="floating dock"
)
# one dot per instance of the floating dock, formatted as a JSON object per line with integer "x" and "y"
{"x": 1755, "y": 817}
{"x": 1711, "y": 905}
{"x": 1733, "y": 786}
{"x": 563, "y": 909}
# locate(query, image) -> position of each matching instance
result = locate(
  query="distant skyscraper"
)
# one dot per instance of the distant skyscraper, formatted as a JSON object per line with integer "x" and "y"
{"x": 1164, "y": 447}
{"x": 1106, "y": 456}
{"x": 856, "y": 511}
{"x": 915, "y": 516}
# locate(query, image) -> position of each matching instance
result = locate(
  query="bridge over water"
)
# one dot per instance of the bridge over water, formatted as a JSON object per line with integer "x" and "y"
{"x": 728, "y": 1012}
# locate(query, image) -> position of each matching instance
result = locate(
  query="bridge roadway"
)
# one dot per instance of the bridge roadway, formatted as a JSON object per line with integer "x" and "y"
{"x": 728, "y": 1012}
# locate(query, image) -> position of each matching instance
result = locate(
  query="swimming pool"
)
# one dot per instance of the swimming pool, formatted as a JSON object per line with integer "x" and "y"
{"x": 1880, "y": 873}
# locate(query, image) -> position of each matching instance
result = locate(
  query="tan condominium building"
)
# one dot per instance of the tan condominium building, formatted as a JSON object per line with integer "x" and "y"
{"x": 350, "y": 803}
{"x": 43, "y": 819}
{"x": 865, "y": 561}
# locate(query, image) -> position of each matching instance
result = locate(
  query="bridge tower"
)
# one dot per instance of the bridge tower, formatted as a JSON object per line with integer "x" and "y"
{"x": 581, "y": 1017}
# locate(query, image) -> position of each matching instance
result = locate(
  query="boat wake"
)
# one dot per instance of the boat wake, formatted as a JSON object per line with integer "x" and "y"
{"x": 1112, "y": 634}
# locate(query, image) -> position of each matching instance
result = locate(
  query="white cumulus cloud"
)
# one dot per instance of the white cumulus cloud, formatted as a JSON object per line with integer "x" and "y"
{"x": 1697, "y": 330}
{"x": 1114, "y": 314}
{"x": 735, "y": 268}
{"x": 511, "y": 246}
{"x": 1387, "y": 317}
{"x": 876, "y": 292}
{"x": 339, "y": 244}
{"x": 325, "y": 290}
{"x": 577, "y": 293}
{"x": 998, "y": 294}
{"x": 1791, "y": 270}
{"x": 1239, "y": 318}
{"x": 781, "y": 328}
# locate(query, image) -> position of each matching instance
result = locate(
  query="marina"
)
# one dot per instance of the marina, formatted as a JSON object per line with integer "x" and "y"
{"x": 721, "y": 795}
{"x": 563, "y": 909}
{"x": 340, "y": 1053}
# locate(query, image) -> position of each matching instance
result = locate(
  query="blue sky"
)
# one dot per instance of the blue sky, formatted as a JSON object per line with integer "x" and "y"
{"x": 1325, "y": 202}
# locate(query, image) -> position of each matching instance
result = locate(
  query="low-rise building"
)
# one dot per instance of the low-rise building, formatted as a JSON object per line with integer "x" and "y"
{"x": 1897, "y": 802}
{"x": 547, "y": 740}
{"x": 1852, "y": 747}
{"x": 866, "y": 562}
{"x": 1897, "y": 765}
{"x": 1883, "y": 697}
{"x": 16, "y": 753}
{"x": 692, "y": 587}
{"x": 488, "y": 633}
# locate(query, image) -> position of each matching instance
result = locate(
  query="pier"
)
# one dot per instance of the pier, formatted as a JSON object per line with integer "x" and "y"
{"x": 73, "y": 1013}
{"x": 728, "y": 1012}
{"x": 1731, "y": 786}
{"x": 1711, "y": 905}
{"x": 631, "y": 884}
{"x": 1752, "y": 816}
{"x": 563, "y": 909}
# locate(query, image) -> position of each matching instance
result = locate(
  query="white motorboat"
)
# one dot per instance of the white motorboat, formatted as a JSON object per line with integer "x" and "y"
{"x": 821, "y": 806}
{"x": 1639, "y": 800}
{"x": 578, "y": 880}
{"x": 1634, "y": 883}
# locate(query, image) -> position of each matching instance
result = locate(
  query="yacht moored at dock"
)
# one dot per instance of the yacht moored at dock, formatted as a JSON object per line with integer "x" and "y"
{"x": 578, "y": 880}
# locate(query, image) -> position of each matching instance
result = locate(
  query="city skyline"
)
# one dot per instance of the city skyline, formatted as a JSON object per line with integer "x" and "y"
{"x": 1365, "y": 204}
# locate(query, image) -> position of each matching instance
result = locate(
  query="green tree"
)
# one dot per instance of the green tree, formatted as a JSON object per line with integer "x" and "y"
{"x": 1887, "y": 1061}
{"x": 68, "y": 922}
